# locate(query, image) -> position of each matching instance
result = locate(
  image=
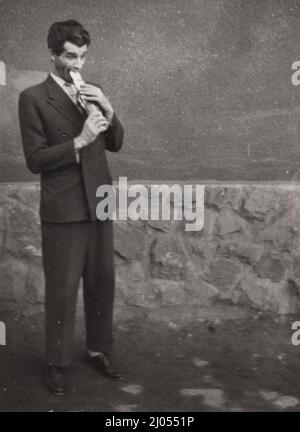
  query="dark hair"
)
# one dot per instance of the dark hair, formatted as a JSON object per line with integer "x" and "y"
{"x": 67, "y": 31}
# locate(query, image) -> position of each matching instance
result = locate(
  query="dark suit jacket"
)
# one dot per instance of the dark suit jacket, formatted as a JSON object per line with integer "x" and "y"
{"x": 49, "y": 122}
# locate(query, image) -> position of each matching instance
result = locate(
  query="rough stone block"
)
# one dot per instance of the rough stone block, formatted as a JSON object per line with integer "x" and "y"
{"x": 243, "y": 250}
{"x": 168, "y": 258}
{"x": 130, "y": 239}
{"x": 13, "y": 281}
{"x": 202, "y": 293}
{"x": 169, "y": 292}
{"x": 284, "y": 233}
{"x": 267, "y": 203}
{"x": 268, "y": 296}
{"x": 221, "y": 196}
{"x": 230, "y": 222}
{"x": 224, "y": 273}
{"x": 272, "y": 266}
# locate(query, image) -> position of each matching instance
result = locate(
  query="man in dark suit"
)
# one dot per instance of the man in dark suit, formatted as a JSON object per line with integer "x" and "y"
{"x": 66, "y": 144}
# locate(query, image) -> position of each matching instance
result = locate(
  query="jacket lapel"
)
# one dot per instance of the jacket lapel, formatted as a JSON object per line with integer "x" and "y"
{"x": 63, "y": 104}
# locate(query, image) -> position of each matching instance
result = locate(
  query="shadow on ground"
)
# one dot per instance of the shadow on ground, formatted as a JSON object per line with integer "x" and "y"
{"x": 240, "y": 365}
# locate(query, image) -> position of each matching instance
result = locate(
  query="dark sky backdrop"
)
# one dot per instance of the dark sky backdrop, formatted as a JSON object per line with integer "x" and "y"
{"x": 203, "y": 87}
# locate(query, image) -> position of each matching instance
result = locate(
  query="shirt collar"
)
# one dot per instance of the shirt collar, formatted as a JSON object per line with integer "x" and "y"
{"x": 61, "y": 82}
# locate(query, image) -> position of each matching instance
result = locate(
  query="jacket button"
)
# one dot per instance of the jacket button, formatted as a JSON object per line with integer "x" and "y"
{"x": 64, "y": 135}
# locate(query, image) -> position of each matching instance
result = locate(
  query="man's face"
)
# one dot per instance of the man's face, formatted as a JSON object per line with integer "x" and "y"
{"x": 72, "y": 57}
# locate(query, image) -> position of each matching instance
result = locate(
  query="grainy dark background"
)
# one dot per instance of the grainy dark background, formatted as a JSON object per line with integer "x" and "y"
{"x": 203, "y": 87}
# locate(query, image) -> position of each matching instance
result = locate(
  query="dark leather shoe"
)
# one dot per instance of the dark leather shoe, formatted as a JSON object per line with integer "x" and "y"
{"x": 55, "y": 379}
{"x": 103, "y": 364}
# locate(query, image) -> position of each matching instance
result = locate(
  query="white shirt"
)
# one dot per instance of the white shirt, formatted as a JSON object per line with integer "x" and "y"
{"x": 68, "y": 88}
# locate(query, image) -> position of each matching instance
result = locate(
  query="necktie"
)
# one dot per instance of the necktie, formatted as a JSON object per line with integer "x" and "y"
{"x": 75, "y": 96}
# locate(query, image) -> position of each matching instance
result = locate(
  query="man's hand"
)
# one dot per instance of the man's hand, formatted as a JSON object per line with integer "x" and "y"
{"x": 94, "y": 124}
{"x": 95, "y": 94}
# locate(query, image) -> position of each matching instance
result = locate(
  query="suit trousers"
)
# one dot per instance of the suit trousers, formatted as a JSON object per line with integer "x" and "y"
{"x": 70, "y": 251}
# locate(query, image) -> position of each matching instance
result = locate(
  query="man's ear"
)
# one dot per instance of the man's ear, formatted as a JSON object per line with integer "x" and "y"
{"x": 51, "y": 54}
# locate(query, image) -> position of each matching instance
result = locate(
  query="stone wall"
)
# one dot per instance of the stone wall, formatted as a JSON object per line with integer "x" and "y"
{"x": 247, "y": 257}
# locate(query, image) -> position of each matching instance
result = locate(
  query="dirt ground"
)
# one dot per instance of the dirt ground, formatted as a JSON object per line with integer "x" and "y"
{"x": 235, "y": 365}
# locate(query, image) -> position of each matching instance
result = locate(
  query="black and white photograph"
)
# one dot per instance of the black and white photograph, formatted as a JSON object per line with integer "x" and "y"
{"x": 150, "y": 208}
